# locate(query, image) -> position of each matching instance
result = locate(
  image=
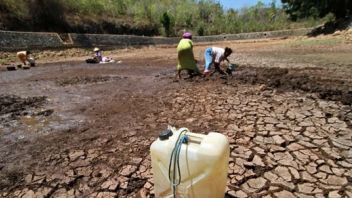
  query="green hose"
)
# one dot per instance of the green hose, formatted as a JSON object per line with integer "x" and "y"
{"x": 175, "y": 161}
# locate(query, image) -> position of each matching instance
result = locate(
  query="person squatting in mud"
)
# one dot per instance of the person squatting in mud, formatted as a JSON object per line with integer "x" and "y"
{"x": 185, "y": 57}
{"x": 25, "y": 56}
{"x": 216, "y": 55}
{"x": 99, "y": 58}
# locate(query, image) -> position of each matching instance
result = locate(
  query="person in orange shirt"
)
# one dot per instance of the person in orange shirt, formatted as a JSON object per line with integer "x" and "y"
{"x": 25, "y": 56}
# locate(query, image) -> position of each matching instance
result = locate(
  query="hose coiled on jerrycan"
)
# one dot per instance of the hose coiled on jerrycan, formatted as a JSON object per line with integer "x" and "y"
{"x": 175, "y": 160}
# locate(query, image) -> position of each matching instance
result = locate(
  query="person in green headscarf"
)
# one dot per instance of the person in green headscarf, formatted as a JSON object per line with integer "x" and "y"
{"x": 186, "y": 60}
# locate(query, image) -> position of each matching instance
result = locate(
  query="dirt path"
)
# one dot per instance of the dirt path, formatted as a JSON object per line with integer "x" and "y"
{"x": 77, "y": 130}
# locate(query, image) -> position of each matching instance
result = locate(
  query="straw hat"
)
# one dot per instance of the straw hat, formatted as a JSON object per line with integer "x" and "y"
{"x": 96, "y": 49}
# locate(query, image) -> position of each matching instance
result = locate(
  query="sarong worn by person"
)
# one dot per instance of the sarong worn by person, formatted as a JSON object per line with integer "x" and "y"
{"x": 185, "y": 56}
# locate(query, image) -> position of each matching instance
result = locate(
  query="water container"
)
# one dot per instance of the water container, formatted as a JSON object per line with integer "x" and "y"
{"x": 203, "y": 165}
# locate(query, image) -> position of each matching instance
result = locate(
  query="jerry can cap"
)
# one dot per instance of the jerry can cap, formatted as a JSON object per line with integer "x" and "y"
{"x": 164, "y": 135}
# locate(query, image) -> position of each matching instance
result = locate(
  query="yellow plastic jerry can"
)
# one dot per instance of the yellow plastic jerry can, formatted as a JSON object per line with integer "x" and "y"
{"x": 190, "y": 165}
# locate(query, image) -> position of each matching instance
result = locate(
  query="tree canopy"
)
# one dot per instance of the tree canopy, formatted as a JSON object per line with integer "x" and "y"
{"x": 298, "y": 9}
{"x": 145, "y": 17}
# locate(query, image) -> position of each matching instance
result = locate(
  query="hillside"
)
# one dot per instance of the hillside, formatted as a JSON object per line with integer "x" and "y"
{"x": 149, "y": 17}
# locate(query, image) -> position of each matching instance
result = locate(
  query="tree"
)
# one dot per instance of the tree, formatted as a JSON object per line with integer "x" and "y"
{"x": 273, "y": 10}
{"x": 200, "y": 30}
{"x": 47, "y": 15}
{"x": 317, "y": 8}
{"x": 166, "y": 21}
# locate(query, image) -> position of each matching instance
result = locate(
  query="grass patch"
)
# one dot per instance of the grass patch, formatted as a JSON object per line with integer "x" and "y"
{"x": 316, "y": 42}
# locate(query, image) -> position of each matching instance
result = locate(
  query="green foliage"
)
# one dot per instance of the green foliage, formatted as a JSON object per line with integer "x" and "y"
{"x": 317, "y": 9}
{"x": 316, "y": 42}
{"x": 45, "y": 12}
{"x": 169, "y": 17}
{"x": 200, "y": 30}
{"x": 13, "y": 7}
{"x": 166, "y": 21}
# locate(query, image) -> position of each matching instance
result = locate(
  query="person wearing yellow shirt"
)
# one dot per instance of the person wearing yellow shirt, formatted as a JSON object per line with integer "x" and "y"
{"x": 185, "y": 56}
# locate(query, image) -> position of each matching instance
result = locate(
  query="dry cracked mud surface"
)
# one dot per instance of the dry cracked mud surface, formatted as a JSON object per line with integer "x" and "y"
{"x": 77, "y": 130}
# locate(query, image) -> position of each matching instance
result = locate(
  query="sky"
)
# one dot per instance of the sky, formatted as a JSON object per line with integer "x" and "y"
{"x": 238, "y": 4}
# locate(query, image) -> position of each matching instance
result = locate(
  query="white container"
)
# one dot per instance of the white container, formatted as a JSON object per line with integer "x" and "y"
{"x": 203, "y": 165}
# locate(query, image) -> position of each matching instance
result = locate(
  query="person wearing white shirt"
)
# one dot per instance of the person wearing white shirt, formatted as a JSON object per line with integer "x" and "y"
{"x": 215, "y": 55}
{"x": 25, "y": 56}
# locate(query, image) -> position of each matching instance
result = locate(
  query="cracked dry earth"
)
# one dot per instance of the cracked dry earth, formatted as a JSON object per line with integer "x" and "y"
{"x": 286, "y": 141}
{"x": 282, "y": 145}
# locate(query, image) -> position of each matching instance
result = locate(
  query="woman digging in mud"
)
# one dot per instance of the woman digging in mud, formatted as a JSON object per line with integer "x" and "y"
{"x": 25, "y": 56}
{"x": 216, "y": 55}
{"x": 185, "y": 57}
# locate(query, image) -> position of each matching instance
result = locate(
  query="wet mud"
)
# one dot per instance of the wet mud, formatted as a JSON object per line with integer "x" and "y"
{"x": 12, "y": 106}
{"x": 86, "y": 80}
{"x": 304, "y": 79}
